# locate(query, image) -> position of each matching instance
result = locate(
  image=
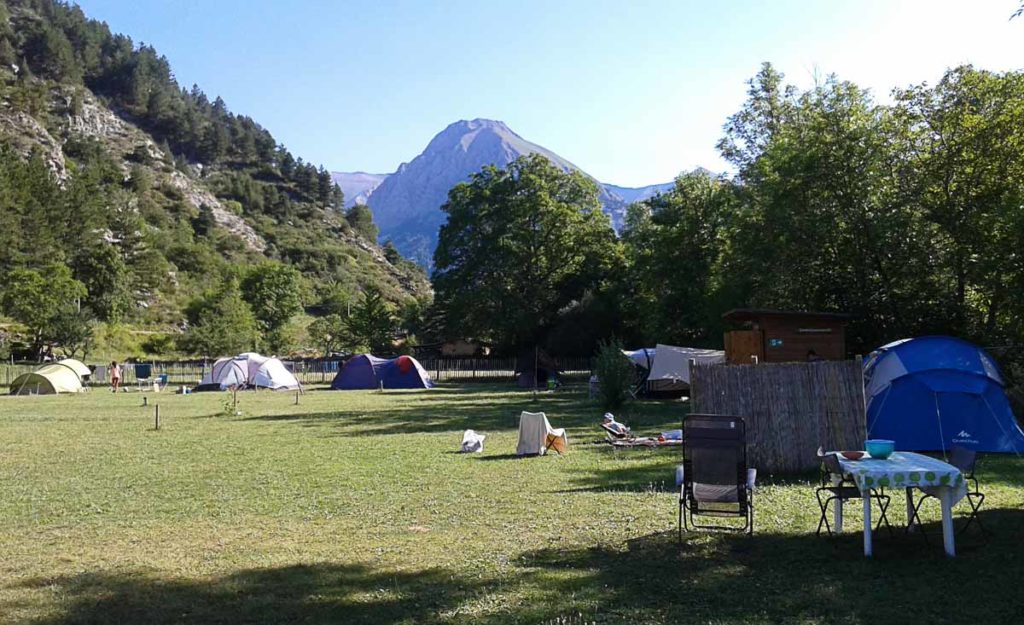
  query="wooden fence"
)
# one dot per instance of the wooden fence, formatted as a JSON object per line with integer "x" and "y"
{"x": 311, "y": 372}
{"x": 789, "y": 409}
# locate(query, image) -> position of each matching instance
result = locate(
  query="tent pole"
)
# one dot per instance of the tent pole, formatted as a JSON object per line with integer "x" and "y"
{"x": 996, "y": 419}
{"x": 534, "y": 372}
{"x": 938, "y": 417}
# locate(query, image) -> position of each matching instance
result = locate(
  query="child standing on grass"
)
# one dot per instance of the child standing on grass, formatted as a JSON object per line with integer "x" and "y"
{"x": 115, "y": 376}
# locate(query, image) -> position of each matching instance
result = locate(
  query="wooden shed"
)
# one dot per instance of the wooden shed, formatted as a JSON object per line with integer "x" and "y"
{"x": 784, "y": 336}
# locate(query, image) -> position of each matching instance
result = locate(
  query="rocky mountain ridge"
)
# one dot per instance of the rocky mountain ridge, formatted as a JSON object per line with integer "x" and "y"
{"x": 406, "y": 204}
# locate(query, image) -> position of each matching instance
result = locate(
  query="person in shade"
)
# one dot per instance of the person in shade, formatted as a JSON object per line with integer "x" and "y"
{"x": 610, "y": 423}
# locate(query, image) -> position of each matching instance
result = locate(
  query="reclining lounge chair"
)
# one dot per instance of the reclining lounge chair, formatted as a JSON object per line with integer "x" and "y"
{"x": 715, "y": 480}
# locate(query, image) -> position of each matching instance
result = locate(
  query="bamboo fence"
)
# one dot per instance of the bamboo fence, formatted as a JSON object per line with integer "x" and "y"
{"x": 790, "y": 409}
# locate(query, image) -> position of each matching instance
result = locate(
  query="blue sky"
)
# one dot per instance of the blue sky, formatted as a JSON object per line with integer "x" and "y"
{"x": 632, "y": 92}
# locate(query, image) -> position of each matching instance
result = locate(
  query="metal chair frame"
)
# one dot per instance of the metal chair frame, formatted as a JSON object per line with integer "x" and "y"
{"x": 964, "y": 459}
{"x": 689, "y": 506}
{"x": 840, "y": 488}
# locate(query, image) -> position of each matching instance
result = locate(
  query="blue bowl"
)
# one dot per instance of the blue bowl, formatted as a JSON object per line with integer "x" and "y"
{"x": 880, "y": 448}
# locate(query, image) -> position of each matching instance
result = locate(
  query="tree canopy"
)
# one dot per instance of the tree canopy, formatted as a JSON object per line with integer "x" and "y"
{"x": 521, "y": 245}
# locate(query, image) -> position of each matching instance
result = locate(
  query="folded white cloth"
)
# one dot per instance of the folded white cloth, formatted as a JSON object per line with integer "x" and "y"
{"x": 472, "y": 442}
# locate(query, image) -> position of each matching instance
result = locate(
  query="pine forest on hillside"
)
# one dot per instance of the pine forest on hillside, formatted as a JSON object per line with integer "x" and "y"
{"x": 160, "y": 202}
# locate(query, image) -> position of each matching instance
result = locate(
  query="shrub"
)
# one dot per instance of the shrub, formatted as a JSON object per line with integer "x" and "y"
{"x": 158, "y": 344}
{"x": 615, "y": 373}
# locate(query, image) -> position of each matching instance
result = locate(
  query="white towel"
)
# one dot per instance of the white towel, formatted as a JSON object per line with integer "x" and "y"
{"x": 472, "y": 442}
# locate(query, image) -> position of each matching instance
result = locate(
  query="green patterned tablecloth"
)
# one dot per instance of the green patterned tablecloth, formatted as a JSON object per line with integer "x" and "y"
{"x": 904, "y": 469}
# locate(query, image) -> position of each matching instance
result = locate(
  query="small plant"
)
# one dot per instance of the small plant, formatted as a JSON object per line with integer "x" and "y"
{"x": 230, "y": 406}
{"x": 615, "y": 375}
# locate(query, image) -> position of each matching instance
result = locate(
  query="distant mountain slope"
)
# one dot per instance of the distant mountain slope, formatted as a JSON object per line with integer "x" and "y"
{"x": 161, "y": 191}
{"x": 630, "y": 195}
{"x": 357, "y": 186}
{"x": 407, "y": 204}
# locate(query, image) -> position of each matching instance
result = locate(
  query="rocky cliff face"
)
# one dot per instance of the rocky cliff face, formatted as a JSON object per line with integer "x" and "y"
{"x": 638, "y": 194}
{"x": 48, "y": 133}
{"x": 357, "y": 186}
{"x": 407, "y": 204}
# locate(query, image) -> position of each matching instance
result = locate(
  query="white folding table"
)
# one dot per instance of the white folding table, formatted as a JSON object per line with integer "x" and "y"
{"x": 905, "y": 470}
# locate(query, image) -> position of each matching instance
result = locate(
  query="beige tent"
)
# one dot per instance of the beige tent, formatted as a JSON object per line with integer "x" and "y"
{"x": 536, "y": 435}
{"x": 58, "y": 377}
{"x": 78, "y": 367}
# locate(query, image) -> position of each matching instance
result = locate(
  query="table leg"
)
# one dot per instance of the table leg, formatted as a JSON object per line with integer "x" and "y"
{"x": 867, "y": 523}
{"x": 948, "y": 537}
{"x": 837, "y": 515}
{"x": 910, "y": 511}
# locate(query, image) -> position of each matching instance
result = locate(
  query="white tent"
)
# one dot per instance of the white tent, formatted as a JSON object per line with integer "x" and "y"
{"x": 249, "y": 370}
{"x": 672, "y": 363}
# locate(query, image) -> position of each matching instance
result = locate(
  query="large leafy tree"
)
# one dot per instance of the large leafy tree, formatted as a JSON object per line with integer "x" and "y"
{"x": 222, "y": 323}
{"x": 329, "y": 334}
{"x": 274, "y": 293}
{"x": 678, "y": 234}
{"x": 962, "y": 151}
{"x": 372, "y": 324}
{"x": 521, "y": 246}
{"x": 38, "y": 298}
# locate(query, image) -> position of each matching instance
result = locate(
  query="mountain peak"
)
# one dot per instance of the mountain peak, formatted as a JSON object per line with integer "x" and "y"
{"x": 469, "y": 125}
{"x": 464, "y": 134}
{"x": 406, "y": 204}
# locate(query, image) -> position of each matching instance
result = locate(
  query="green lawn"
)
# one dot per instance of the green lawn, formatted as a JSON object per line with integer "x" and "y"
{"x": 353, "y": 508}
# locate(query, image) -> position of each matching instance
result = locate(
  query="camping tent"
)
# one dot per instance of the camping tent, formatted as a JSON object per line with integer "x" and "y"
{"x": 673, "y": 363}
{"x": 666, "y": 368}
{"x": 248, "y": 370}
{"x": 642, "y": 357}
{"x": 58, "y": 377}
{"x": 366, "y": 371}
{"x": 931, "y": 393}
{"x": 83, "y": 371}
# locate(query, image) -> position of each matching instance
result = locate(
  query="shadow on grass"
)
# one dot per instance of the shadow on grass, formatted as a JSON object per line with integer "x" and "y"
{"x": 315, "y": 594}
{"x": 789, "y": 578}
{"x": 721, "y": 578}
{"x": 459, "y": 409}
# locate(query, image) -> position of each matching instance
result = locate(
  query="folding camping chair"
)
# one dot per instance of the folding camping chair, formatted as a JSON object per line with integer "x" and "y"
{"x": 964, "y": 459}
{"x": 536, "y": 436}
{"x": 839, "y": 488}
{"x": 715, "y": 480}
{"x": 143, "y": 375}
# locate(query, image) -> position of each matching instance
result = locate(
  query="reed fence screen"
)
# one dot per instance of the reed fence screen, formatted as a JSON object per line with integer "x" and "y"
{"x": 790, "y": 409}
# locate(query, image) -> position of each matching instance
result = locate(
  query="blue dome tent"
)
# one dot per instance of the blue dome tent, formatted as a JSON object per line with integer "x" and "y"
{"x": 934, "y": 392}
{"x": 366, "y": 371}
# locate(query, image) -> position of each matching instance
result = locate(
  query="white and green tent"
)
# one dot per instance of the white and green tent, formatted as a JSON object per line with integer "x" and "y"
{"x": 65, "y": 376}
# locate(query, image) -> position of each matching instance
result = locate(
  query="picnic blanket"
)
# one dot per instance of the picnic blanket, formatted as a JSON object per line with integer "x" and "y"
{"x": 643, "y": 441}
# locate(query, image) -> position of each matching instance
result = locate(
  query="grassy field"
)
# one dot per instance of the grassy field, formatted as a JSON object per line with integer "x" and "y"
{"x": 354, "y": 508}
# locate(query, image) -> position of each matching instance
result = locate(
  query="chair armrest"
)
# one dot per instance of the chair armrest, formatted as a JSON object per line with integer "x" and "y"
{"x": 751, "y": 478}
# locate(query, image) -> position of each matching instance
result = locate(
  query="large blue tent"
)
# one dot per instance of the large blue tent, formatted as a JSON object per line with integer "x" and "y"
{"x": 366, "y": 371}
{"x": 935, "y": 392}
